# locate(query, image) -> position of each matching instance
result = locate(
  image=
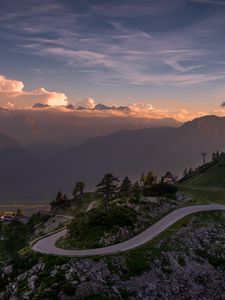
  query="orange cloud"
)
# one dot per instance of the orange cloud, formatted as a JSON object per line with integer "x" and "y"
{"x": 12, "y": 94}
{"x": 88, "y": 103}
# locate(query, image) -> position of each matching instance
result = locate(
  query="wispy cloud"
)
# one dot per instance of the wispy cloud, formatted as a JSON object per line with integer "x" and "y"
{"x": 86, "y": 57}
{"x": 116, "y": 51}
{"x": 212, "y": 2}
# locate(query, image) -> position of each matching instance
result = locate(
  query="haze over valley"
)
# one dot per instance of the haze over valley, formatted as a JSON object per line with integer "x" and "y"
{"x": 46, "y": 160}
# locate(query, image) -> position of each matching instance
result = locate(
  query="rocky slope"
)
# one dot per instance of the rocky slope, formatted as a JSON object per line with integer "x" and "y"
{"x": 188, "y": 263}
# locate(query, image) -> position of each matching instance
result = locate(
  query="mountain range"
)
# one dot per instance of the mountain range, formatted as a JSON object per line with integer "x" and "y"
{"x": 24, "y": 176}
{"x": 46, "y": 132}
{"x": 130, "y": 152}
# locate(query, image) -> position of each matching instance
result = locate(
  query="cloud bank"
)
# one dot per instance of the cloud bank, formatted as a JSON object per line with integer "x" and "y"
{"x": 12, "y": 94}
{"x": 88, "y": 103}
{"x": 143, "y": 110}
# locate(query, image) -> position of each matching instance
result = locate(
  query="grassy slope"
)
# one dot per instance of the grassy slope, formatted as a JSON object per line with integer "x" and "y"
{"x": 207, "y": 185}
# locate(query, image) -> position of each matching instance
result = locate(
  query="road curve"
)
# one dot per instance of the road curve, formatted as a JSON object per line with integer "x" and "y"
{"x": 47, "y": 244}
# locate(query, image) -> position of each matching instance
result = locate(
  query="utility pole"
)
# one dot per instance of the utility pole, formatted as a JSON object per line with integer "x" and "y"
{"x": 203, "y": 154}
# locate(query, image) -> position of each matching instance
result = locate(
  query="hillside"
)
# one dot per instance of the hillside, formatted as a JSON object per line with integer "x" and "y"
{"x": 125, "y": 152}
{"x": 134, "y": 151}
{"x": 212, "y": 176}
{"x": 185, "y": 262}
{"x": 19, "y": 171}
{"x": 46, "y": 132}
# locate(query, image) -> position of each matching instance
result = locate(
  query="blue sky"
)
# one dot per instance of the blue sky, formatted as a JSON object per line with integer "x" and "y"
{"x": 165, "y": 52}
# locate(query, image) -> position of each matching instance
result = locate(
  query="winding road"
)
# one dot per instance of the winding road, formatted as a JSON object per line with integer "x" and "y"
{"x": 46, "y": 245}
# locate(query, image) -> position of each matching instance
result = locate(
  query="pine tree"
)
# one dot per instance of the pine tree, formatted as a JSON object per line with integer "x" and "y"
{"x": 19, "y": 213}
{"x": 125, "y": 189}
{"x": 78, "y": 189}
{"x": 185, "y": 173}
{"x": 151, "y": 179}
{"x": 59, "y": 196}
{"x": 142, "y": 179}
{"x": 190, "y": 171}
{"x": 136, "y": 191}
{"x": 107, "y": 190}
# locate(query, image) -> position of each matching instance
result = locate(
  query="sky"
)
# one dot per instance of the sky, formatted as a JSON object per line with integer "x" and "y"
{"x": 167, "y": 55}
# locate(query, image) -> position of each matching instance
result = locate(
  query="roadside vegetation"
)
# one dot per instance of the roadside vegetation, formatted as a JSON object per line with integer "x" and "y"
{"x": 120, "y": 210}
{"x": 190, "y": 243}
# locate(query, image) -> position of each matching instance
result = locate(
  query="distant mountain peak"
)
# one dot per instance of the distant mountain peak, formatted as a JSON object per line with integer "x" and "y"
{"x": 207, "y": 125}
{"x": 101, "y": 106}
{"x": 40, "y": 105}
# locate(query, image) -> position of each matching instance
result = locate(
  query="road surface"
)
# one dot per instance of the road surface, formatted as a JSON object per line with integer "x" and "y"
{"x": 47, "y": 244}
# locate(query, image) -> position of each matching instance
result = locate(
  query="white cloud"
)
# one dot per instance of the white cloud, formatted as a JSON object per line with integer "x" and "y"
{"x": 12, "y": 94}
{"x": 9, "y": 85}
{"x": 87, "y": 103}
{"x": 90, "y": 58}
{"x": 140, "y": 106}
{"x": 146, "y": 110}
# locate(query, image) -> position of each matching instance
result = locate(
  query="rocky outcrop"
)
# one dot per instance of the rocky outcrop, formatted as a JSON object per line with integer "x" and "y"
{"x": 188, "y": 264}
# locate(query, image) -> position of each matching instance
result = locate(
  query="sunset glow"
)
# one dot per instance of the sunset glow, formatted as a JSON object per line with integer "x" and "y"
{"x": 161, "y": 53}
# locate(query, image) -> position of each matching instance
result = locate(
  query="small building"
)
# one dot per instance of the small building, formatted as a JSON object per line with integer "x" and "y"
{"x": 7, "y": 219}
{"x": 169, "y": 178}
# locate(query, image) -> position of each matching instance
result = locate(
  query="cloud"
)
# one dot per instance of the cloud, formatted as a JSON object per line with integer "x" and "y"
{"x": 146, "y": 110}
{"x": 222, "y": 104}
{"x": 89, "y": 58}
{"x": 212, "y": 2}
{"x": 134, "y": 10}
{"x": 140, "y": 110}
{"x": 9, "y": 85}
{"x": 88, "y": 103}
{"x": 140, "y": 106}
{"x": 12, "y": 94}
{"x": 119, "y": 53}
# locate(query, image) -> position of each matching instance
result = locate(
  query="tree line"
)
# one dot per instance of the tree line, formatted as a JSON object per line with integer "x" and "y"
{"x": 110, "y": 188}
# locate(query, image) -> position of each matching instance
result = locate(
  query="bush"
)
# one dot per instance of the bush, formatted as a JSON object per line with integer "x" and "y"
{"x": 137, "y": 263}
{"x": 68, "y": 289}
{"x": 163, "y": 189}
{"x": 14, "y": 237}
{"x": 147, "y": 191}
{"x": 88, "y": 228}
{"x": 97, "y": 218}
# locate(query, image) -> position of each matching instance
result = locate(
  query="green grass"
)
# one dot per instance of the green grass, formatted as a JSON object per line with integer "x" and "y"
{"x": 212, "y": 176}
{"x": 206, "y": 185}
{"x": 204, "y": 195}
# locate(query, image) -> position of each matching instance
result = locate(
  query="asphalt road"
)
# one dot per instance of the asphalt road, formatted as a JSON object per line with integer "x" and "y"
{"x": 47, "y": 244}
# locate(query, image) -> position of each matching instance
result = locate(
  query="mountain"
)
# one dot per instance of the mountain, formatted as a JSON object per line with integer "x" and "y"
{"x": 126, "y": 152}
{"x": 130, "y": 152}
{"x": 103, "y": 107}
{"x": 46, "y": 132}
{"x": 23, "y": 178}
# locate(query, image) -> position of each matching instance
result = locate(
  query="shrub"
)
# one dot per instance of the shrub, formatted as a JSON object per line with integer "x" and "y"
{"x": 68, "y": 289}
{"x": 137, "y": 263}
{"x": 163, "y": 189}
{"x": 87, "y": 229}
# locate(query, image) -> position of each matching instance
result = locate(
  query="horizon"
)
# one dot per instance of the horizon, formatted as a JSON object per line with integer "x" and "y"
{"x": 159, "y": 57}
